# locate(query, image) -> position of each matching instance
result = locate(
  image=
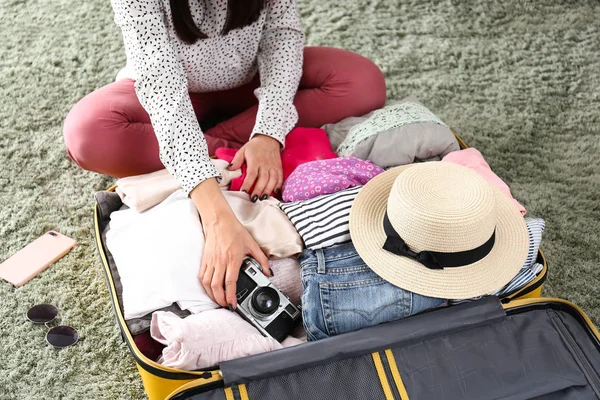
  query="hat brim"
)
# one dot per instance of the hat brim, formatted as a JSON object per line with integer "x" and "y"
{"x": 486, "y": 276}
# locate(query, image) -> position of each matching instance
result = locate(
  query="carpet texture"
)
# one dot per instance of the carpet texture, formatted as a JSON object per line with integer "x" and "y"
{"x": 519, "y": 80}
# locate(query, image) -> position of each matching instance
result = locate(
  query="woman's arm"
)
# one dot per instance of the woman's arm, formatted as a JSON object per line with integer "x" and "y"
{"x": 280, "y": 58}
{"x": 162, "y": 90}
{"x": 227, "y": 243}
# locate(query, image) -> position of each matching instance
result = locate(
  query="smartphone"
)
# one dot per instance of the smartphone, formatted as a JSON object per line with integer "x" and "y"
{"x": 38, "y": 255}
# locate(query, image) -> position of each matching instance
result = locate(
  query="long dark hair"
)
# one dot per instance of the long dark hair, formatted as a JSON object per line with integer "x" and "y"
{"x": 240, "y": 13}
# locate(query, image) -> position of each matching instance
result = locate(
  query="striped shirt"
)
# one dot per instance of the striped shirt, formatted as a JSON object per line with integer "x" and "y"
{"x": 535, "y": 227}
{"x": 530, "y": 269}
{"x": 523, "y": 278}
{"x": 322, "y": 221}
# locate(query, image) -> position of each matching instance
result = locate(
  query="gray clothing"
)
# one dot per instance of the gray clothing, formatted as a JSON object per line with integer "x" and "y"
{"x": 402, "y": 133}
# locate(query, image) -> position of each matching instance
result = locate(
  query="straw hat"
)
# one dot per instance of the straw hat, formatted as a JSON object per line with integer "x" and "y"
{"x": 467, "y": 235}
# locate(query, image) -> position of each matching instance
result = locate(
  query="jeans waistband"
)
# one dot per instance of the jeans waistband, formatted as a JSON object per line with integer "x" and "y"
{"x": 343, "y": 256}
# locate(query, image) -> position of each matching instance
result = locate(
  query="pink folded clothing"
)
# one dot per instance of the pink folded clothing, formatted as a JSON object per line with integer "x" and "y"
{"x": 473, "y": 159}
{"x": 287, "y": 278}
{"x": 227, "y": 154}
{"x": 302, "y": 145}
{"x": 318, "y": 178}
{"x": 204, "y": 340}
{"x": 142, "y": 192}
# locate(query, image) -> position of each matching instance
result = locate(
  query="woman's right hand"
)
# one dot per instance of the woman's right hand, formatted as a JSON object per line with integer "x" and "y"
{"x": 226, "y": 245}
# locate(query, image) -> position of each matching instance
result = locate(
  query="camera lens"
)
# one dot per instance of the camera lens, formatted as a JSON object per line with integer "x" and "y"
{"x": 265, "y": 300}
{"x": 52, "y": 234}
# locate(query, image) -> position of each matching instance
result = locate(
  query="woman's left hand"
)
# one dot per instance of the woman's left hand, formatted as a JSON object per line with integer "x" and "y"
{"x": 262, "y": 155}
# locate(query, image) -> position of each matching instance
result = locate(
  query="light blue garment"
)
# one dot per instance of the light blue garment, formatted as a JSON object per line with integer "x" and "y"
{"x": 530, "y": 270}
{"x": 535, "y": 228}
{"x": 342, "y": 294}
{"x": 523, "y": 278}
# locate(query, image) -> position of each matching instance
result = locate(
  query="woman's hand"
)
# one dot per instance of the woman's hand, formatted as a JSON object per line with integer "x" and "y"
{"x": 227, "y": 242}
{"x": 262, "y": 155}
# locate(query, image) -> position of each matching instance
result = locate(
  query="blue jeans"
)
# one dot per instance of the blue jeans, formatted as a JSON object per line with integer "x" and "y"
{"x": 342, "y": 294}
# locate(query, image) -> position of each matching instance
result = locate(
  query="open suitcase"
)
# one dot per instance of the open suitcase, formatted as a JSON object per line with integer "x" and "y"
{"x": 527, "y": 349}
{"x": 476, "y": 353}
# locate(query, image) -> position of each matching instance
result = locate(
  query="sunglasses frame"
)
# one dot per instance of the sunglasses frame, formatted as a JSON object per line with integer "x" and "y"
{"x": 51, "y": 328}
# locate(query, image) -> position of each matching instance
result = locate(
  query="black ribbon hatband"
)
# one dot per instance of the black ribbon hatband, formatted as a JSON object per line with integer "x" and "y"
{"x": 433, "y": 259}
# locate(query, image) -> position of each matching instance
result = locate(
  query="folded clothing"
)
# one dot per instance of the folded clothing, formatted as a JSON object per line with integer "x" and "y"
{"x": 107, "y": 203}
{"x": 148, "y": 346}
{"x": 204, "y": 340}
{"x": 401, "y": 133}
{"x": 267, "y": 224}
{"x": 141, "y": 192}
{"x": 227, "y": 176}
{"x": 226, "y": 154}
{"x": 530, "y": 269}
{"x": 523, "y": 278}
{"x": 323, "y": 221}
{"x": 141, "y": 324}
{"x": 323, "y": 177}
{"x": 473, "y": 159}
{"x": 302, "y": 145}
{"x": 535, "y": 228}
{"x": 342, "y": 294}
{"x": 287, "y": 278}
{"x": 158, "y": 254}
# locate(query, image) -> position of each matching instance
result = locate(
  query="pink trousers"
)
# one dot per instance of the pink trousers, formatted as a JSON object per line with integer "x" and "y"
{"x": 108, "y": 131}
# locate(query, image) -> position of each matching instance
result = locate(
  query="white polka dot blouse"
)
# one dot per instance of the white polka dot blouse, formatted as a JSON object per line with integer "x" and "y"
{"x": 166, "y": 69}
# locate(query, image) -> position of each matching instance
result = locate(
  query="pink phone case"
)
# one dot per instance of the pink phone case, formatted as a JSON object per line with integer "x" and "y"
{"x": 35, "y": 257}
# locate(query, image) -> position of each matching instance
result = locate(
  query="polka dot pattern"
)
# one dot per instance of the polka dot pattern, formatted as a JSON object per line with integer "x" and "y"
{"x": 328, "y": 176}
{"x": 167, "y": 69}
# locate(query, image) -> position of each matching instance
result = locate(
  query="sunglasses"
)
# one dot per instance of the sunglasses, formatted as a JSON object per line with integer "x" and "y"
{"x": 58, "y": 336}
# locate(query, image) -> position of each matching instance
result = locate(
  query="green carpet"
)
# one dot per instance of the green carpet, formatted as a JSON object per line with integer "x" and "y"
{"x": 519, "y": 80}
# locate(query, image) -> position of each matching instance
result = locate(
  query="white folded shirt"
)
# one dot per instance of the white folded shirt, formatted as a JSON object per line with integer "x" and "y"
{"x": 158, "y": 253}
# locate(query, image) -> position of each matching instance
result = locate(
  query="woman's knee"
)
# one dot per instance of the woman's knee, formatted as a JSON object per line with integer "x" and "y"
{"x": 365, "y": 80}
{"x": 370, "y": 83}
{"x": 80, "y": 130}
{"x": 100, "y": 129}
{"x": 351, "y": 76}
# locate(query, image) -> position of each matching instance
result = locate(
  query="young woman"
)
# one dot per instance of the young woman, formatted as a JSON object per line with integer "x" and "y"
{"x": 190, "y": 60}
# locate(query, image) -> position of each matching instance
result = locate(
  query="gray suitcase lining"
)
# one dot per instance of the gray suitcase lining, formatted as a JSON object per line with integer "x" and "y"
{"x": 519, "y": 355}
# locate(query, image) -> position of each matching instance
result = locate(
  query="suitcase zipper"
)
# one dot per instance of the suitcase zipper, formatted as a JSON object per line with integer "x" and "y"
{"x": 388, "y": 374}
{"x": 584, "y": 364}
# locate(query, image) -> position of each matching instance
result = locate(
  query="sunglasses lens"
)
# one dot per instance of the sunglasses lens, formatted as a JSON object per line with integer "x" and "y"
{"x": 42, "y": 313}
{"x": 62, "y": 336}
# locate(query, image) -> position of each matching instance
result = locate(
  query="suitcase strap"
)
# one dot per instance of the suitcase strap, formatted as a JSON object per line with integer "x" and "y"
{"x": 389, "y": 376}
{"x": 236, "y": 392}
